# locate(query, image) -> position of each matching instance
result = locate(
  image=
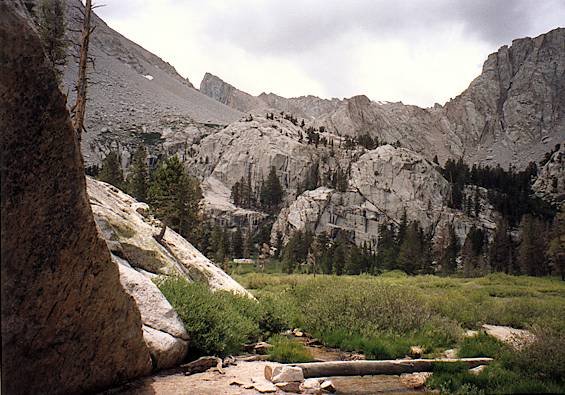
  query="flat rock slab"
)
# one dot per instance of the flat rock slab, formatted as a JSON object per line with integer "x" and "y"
{"x": 517, "y": 338}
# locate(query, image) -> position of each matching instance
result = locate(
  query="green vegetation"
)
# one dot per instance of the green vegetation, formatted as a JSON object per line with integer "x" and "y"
{"x": 174, "y": 197}
{"x": 287, "y": 350}
{"x": 382, "y": 316}
{"x": 220, "y": 323}
{"x": 111, "y": 170}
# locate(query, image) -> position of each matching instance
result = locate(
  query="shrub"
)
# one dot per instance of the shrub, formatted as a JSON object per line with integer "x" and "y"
{"x": 218, "y": 323}
{"x": 286, "y": 350}
{"x": 481, "y": 345}
{"x": 544, "y": 358}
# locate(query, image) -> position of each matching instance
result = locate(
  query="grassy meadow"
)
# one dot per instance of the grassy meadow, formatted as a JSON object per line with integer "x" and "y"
{"x": 383, "y": 316}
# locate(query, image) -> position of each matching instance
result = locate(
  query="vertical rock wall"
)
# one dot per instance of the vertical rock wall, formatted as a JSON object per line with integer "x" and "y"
{"x": 67, "y": 324}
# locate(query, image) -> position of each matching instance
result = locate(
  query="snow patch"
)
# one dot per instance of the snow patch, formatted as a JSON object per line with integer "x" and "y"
{"x": 149, "y": 77}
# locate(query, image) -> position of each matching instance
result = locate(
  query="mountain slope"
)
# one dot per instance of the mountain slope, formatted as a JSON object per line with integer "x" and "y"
{"x": 512, "y": 113}
{"x": 133, "y": 92}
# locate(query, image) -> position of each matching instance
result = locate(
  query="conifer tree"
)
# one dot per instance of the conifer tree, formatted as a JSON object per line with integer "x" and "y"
{"x": 237, "y": 244}
{"x": 556, "y": 245}
{"x": 501, "y": 252}
{"x": 138, "y": 178}
{"x": 217, "y": 244}
{"x": 448, "y": 248}
{"x": 111, "y": 170}
{"x": 271, "y": 190}
{"x": 533, "y": 246}
{"x": 175, "y": 197}
{"x": 410, "y": 256}
{"x": 386, "y": 249}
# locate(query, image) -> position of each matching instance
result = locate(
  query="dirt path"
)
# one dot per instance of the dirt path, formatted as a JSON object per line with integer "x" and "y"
{"x": 250, "y": 374}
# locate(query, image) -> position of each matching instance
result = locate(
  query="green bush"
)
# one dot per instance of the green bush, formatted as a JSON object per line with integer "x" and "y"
{"x": 218, "y": 323}
{"x": 481, "y": 345}
{"x": 544, "y": 358}
{"x": 286, "y": 350}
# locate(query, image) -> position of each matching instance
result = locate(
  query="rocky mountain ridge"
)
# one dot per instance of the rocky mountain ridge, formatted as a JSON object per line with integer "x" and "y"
{"x": 512, "y": 113}
{"x": 133, "y": 96}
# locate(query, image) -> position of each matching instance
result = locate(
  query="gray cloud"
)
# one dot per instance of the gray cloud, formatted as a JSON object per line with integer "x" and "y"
{"x": 298, "y": 26}
{"x": 417, "y": 51}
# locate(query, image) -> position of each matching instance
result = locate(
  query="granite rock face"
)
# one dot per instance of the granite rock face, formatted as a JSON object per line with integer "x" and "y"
{"x": 134, "y": 97}
{"x": 67, "y": 324}
{"x": 550, "y": 183}
{"x": 163, "y": 330}
{"x": 128, "y": 229}
{"x": 512, "y": 113}
{"x": 307, "y": 107}
{"x": 384, "y": 184}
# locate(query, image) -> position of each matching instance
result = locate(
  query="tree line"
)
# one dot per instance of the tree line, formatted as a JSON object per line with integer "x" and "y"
{"x": 406, "y": 246}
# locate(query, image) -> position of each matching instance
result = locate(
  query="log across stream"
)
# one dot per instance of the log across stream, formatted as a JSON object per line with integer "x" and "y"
{"x": 399, "y": 366}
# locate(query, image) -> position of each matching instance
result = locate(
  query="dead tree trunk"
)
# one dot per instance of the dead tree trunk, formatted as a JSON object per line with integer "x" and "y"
{"x": 79, "y": 109}
{"x": 364, "y": 368}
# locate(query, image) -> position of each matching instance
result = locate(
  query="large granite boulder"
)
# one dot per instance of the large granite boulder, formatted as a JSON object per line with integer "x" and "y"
{"x": 68, "y": 326}
{"x": 128, "y": 229}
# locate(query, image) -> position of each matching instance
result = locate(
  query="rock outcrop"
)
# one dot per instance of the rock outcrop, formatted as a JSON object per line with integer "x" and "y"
{"x": 307, "y": 107}
{"x": 512, "y": 113}
{"x": 129, "y": 231}
{"x": 134, "y": 96}
{"x": 550, "y": 183}
{"x": 384, "y": 184}
{"x": 227, "y": 94}
{"x": 67, "y": 324}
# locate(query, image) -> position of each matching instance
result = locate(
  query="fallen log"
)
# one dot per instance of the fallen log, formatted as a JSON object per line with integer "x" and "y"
{"x": 202, "y": 364}
{"x": 367, "y": 368}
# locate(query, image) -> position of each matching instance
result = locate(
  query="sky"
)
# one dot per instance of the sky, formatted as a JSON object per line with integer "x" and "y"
{"x": 416, "y": 51}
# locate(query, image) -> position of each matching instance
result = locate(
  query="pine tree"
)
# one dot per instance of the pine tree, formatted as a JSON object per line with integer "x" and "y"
{"x": 248, "y": 245}
{"x": 386, "y": 248}
{"x": 533, "y": 246}
{"x": 139, "y": 176}
{"x": 175, "y": 197}
{"x": 501, "y": 251}
{"x": 271, "y": 190}
{"x": 471, "y": 252}
{"x": 217, "y": 245}
{"x": 237, "y": 244}
{"x": 556, "y": 245}
{"x": 448, "y": 248}
{"x": 410, "y": 256}
{"x": 111, "y": 170}
{"x": 52, "y": 21}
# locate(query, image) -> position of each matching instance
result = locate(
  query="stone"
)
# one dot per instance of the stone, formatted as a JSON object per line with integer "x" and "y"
{"x": 121, "y": 225}
{"x": 285, "y": 373}
{"x": 471, "y": 333}
{"x": 265, "y": 388}
{"x": 517, "y": 338}
{"x": 476, "y": 371}
{"x": 262, "y": 347}
{"x": 327, "y": 386}
{"x": 451, "y": 353}
{"x": 311, "y": 385}
{"x": 415, "y": 380}
{"x": 416, "y": 352}
{"x": 156, "y": 311}
{"x": 166, "y": 350}
{"x": 67, "y": 324}
{"x": 293, "y": 386}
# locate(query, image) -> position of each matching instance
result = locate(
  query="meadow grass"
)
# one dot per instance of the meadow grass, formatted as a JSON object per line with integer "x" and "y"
{"x": 286, "y": 350}
{"x": 383, "y": 316}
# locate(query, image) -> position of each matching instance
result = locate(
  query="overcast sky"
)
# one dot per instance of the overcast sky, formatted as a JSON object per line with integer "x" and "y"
{"x": 414, "y": 51}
